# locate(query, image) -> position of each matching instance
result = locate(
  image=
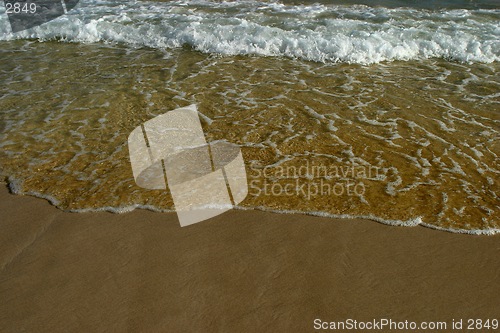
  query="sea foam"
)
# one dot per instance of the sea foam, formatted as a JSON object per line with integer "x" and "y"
{"x": 15, "y": 187}
{"x": 353, "y": 34}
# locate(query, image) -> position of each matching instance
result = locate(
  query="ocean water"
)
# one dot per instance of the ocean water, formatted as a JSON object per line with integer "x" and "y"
{"x": 388, "y": 110}
{"x": 420, "y": 4}
{"x": 318, "y": 32}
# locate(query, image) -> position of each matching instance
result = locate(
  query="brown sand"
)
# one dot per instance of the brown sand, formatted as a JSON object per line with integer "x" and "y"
{"x": 239, "y": 272}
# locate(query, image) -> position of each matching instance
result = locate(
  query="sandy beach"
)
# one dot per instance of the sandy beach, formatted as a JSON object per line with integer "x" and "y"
{"x": 369, "y": 134}
{"x": 243, "y": 271}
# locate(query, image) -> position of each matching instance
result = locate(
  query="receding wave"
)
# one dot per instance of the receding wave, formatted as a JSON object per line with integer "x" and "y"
{"x": 323, "y": 33}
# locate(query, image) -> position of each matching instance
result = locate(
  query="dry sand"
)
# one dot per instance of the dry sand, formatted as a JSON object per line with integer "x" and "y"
{"x": 240, "y": 272}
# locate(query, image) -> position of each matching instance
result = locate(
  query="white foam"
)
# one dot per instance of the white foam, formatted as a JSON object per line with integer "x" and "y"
{"x": 355, "y": 34}
{"x": 408, "y": 223}
{"x": 16, "y": 187}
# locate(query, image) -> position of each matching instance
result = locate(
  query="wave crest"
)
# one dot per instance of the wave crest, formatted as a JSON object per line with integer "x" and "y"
{"x": 355, "y": 34}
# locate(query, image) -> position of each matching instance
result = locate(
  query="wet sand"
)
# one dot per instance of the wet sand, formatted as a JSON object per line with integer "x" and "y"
{"x": 243, "y": 271}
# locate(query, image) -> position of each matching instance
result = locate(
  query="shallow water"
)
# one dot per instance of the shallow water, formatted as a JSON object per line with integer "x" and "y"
{"x": 402, "y": 142}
